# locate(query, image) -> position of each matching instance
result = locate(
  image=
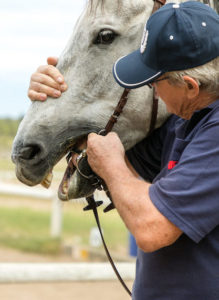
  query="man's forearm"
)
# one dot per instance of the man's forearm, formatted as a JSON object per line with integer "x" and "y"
{"x": 131, "y": 198}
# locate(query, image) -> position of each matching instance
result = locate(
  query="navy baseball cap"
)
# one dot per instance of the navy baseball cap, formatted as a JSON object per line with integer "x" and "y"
{"x": 176, "y": 37}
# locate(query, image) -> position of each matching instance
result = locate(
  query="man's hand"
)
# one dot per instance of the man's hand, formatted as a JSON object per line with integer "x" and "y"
{"x": 105, "y": 153}
{"x": 47, "y": 81}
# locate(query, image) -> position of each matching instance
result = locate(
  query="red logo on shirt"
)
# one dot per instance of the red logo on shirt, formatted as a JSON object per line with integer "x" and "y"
{"x": 172, "y": 164}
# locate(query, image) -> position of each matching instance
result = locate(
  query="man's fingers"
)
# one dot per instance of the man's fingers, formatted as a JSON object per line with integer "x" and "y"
{"x": 34, "y": 96}
{"x": 52, "y": 60}
{"x": 45, "y": 79}
{"x": 42, "y": 88}
{"x": 51, "y": 71}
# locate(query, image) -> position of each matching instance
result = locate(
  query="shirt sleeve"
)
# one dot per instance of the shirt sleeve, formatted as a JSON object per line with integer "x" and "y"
{"x": 189, "y": 194}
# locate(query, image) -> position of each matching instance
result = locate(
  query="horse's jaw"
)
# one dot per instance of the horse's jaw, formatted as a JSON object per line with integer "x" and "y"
{"x": 72, "y": 186}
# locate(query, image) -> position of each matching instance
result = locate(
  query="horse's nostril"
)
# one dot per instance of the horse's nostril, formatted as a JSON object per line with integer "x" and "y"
{"x": 29, "y": 152}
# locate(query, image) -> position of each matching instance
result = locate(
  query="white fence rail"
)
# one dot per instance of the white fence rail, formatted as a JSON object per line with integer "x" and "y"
{"x": 62, "y": 272}
{"x": 25, "y": 191}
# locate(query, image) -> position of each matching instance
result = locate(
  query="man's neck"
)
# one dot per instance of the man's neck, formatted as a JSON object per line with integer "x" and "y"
{"x": 203, "y": 100}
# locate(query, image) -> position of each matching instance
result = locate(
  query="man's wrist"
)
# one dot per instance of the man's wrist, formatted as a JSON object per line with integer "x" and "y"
{"x": 117, "y": 172}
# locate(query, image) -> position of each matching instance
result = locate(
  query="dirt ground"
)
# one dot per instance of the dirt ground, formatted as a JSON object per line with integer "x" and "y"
{"x": 105, "y": 290}
{"x": 68, "y": 291}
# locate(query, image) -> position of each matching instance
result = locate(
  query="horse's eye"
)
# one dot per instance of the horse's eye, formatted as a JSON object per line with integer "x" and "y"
{"x": 105, "y": 37}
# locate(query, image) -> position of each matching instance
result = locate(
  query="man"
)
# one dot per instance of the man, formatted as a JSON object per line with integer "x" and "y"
{"x": 175, "y": 220}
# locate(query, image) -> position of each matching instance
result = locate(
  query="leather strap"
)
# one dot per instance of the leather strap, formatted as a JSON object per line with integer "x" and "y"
{"x": 162, "y": 2}
{"x": 119, "y": 109}
{"x": 157, "y": 5}
{"x": 92, "y": 204}
{"x": 117, "y": 112}
{"x": 123, "y": 100}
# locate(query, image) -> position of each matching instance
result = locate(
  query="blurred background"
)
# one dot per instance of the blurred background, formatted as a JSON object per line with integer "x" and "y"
{"x": 34, "y": 225}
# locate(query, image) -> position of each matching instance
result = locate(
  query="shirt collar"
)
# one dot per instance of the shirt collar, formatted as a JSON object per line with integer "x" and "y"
{"x": 214, "y": 104}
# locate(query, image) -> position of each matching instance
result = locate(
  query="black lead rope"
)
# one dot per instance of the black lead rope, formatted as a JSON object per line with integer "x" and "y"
{"x": 92, "y": 205}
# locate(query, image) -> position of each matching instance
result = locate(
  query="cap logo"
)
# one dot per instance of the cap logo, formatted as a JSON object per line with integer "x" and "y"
{"x": 144, "y": 40}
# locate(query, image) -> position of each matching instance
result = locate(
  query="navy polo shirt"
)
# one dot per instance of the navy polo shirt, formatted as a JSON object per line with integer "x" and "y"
{"x": 181, "y": 159}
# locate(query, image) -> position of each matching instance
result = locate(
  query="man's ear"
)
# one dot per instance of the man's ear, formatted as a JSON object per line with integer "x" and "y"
{"x": 192, "y": 87}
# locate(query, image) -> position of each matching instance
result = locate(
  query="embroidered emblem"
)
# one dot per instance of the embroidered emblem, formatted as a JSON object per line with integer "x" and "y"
{"x": 144, "y": 40}
{"x": 172, "y": 164}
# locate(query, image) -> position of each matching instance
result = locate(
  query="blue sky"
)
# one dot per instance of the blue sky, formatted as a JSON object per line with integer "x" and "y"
{"x": 30, "y": 31}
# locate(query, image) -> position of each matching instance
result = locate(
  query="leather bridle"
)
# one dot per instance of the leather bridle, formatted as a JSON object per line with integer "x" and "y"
{"x": 98, "y": 182}
{"x": 94, "y": 179}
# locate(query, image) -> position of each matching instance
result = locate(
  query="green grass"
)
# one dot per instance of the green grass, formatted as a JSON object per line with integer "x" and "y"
{"x": 28, "y": 230}
{"x": 5, "y": 153}
{"x": 5, "y": 142}
{"x": 6, "y": 164}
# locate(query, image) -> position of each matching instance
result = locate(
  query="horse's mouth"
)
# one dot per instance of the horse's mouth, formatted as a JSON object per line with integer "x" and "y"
{"x": 71, "y": 186}
{"x": 64, "y": 185}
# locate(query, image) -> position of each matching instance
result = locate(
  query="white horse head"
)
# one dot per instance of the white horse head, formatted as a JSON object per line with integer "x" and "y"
{"x": 105, "y": 31}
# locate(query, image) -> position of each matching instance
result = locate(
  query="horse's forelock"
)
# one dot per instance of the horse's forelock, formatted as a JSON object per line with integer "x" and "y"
{"x": 101, "y": 3}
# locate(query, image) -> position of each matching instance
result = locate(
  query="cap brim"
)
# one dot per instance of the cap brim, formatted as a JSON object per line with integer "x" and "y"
{"x": 130, "y": 71}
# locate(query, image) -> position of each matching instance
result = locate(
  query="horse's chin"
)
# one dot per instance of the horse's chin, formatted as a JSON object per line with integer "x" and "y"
{"x": 78, "y": 187}
{"x": 73, "y": 185}
{"x": 32, "y": 178}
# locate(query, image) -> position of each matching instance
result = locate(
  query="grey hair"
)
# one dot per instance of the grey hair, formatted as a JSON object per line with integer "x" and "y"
{"x": 207, "y": 76}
